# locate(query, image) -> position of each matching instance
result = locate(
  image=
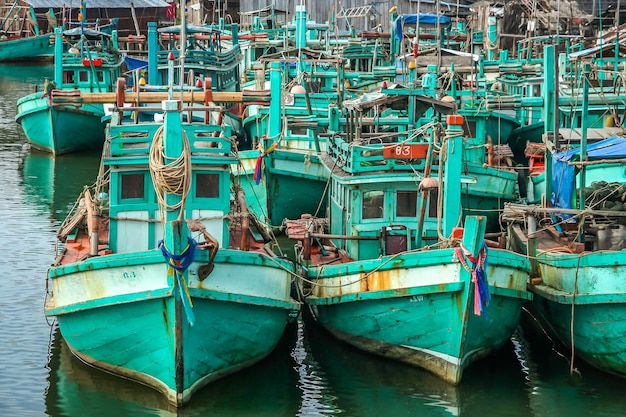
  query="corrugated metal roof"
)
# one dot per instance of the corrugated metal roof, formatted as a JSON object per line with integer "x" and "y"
{"x": 96, "y": 4}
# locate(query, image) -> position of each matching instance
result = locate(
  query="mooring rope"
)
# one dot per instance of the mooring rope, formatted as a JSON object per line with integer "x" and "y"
{"x": 172, "y": 175}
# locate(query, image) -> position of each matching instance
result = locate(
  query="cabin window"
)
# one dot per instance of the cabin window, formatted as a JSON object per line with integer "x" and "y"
{"x": 133, "y": 186}
{"x": 68, "y": 77}
{"x": 100, "y": 76}
{"x": 207, "y": 185}
{"x": 469, "y": 129}
{"x": 406, "y": 203}
{"x": 83, "y": 76}
{"x": 537, "y": 90}
{"x": 373, "y": 204}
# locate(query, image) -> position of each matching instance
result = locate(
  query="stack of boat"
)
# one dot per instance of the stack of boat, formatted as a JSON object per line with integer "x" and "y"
{"x": 427, "y": 204}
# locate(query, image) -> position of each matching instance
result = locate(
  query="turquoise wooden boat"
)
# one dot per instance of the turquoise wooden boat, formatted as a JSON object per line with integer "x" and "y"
{"x": 391, "y": 272}
{"x": 29, "y": 48}
{"x": 20, "y": 37}
{"x": 207, "y": 58}
{"x": 286, "y": 158}
{"x": 55, "y": 119}
{"x": 576, "y": 243}
{"x": 576, "y": 285}
{"x": 578, "y": 253}
{"x": 166, "y": 281}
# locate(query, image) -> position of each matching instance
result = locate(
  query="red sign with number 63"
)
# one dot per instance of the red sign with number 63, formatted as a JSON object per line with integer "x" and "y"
{"x": 406, "y": 151}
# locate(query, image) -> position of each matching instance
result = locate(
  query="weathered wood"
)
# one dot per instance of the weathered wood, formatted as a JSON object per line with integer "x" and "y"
{"x": 597, "y": 162}
{"x": 512, "y": 208}
{"x": 188, "y": 97}
{"x": 343, "y": 237}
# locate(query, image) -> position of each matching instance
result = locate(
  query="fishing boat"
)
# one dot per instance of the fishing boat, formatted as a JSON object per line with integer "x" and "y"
{"x": 163, "y": 277}
{"x": 574, "y": 233}
{"x": 207, "y": 57}
{"x": 55, "y": 119}
{"x": 20, "y": 36}
{"x": 577, "y": 252}
{"x": 395, "y": 269}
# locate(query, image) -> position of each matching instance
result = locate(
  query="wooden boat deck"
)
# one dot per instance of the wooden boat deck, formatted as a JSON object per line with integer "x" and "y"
{"x": 77, "y": 246}
{"x": 317, "y": 250}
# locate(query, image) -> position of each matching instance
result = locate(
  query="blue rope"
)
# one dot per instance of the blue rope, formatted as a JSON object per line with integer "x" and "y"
{"x": 178, "y": 264}
{"x": 182, "y": 261}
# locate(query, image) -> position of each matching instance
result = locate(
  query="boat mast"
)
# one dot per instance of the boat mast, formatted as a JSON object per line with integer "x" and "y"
{"x": 183, "y": 44}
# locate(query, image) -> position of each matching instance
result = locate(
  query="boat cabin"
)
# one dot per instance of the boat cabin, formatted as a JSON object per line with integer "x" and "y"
{"x": 135, "y": 217}
{"x": 206, "y": 56}
{"x": 90, "y": 60}
{"x": 382, "y": 211}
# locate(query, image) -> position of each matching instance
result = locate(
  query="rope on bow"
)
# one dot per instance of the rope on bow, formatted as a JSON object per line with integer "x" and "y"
{"x": 176, "y": 267}
{"x": 259, "y": 160}
{"x": 479, "y": 278}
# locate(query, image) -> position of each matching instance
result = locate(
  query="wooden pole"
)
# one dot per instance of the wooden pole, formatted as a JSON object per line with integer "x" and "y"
{"x": 187, "y": 97}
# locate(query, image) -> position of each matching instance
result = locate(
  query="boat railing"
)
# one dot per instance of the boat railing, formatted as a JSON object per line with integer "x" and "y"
{"x": 203, "y": 56}
{"x": 134, "y": 140}
{"x": 377, "y": 153}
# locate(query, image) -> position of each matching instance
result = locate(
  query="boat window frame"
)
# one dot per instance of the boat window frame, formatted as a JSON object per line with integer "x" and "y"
{"x": 397, "y": 204}
{"x": 123, "y": 188}
{"x": 381, "y": 207}
{"x": 217, "y": 185}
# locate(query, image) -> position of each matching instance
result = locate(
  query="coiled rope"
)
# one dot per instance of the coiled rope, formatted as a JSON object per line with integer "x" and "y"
{"x": 172, "y": 175}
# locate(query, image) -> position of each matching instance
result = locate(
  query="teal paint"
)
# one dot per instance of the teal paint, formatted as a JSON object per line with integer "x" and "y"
{"x": 583, "y": 136}
{"x": 153, "y": 48}
{"x": 234, "y": 30}
{"x": 58, "y": 52}
{"x": 300, "y": 26}
{"x": 548, "y": 109}
{"x": 275, "y": 114}
{"x": 452, "y": 171}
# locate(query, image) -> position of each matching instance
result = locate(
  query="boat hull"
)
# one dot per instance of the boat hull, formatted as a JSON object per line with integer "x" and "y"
{"x": 26, "y": 49}
{"x": 583, "y": 301}
{"x": 414, "y": 307}
{"x": 60, "y": 129}
{"x": 280, "y": 193}
{"x": 123, "y": 313}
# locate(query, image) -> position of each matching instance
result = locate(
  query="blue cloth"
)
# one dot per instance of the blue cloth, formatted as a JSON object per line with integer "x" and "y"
{"x": 564, "y": 175}
{"x": 424, "y": 18}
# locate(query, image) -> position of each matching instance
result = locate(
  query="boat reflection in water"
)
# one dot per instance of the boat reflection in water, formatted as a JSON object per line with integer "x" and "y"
{"x": 557, "y": 386}
{"x": 52, "y": 184}
{"x": 338, "y": 378}
{"x": 76, "y": 389}
{"x": 529, "y": 377}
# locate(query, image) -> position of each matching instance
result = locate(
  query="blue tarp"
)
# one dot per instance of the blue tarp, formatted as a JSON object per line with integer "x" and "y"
{"x": 564, "y": 175}
{"x": 425, "y": 19}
